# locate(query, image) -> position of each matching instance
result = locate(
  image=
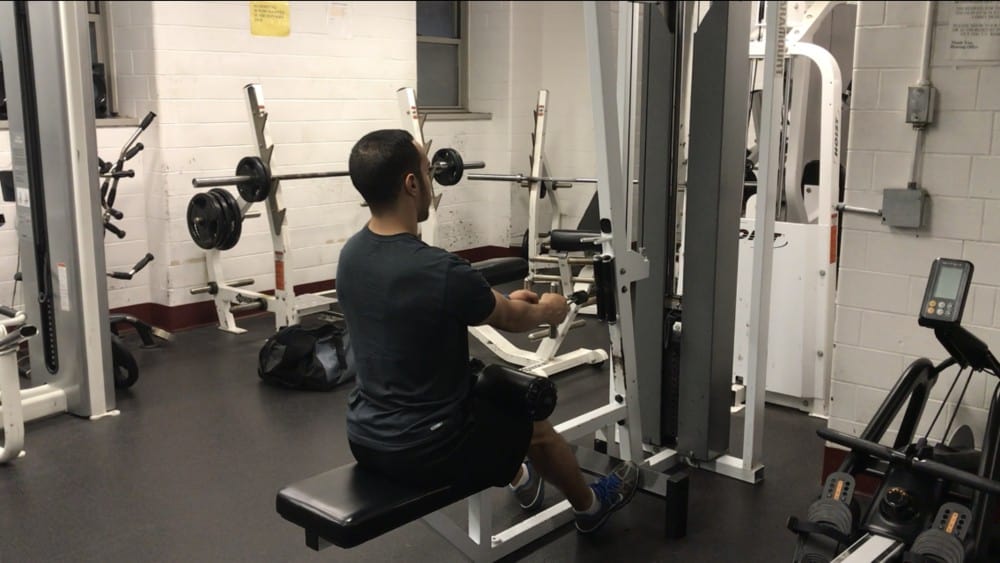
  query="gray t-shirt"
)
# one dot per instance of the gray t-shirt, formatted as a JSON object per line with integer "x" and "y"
{"x": 408, "y": 308}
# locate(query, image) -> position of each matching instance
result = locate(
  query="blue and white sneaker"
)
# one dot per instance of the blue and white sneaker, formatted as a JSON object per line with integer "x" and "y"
{"x": 613, "y": 492}
{"x": 531, "y": 494}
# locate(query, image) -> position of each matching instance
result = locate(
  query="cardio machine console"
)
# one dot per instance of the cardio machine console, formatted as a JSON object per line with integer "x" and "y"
{"x": 947, "y": 289}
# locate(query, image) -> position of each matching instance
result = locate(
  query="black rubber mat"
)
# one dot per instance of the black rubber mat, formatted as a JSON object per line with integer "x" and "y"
{"x": 189, "y": 472}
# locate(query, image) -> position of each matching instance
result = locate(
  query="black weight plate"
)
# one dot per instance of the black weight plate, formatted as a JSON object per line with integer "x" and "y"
{"x": 225, "y": 222}
{"x": 204, "y": 220}
{"x": 260, "y": 187}
{"x": 124, "y": 366}
{"x": 238, "y": 224}
{"x": 233, "y": 218}
{"x": 451, "y": 169}
{"x": 237, "y": 220}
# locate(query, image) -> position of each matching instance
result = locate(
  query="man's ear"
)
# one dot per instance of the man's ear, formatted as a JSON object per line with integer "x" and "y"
{"x": 410, "y": 185}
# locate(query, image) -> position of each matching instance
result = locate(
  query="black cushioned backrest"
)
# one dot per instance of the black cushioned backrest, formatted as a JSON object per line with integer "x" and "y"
{"x": 502, "y": 270}
{"x": 572, "y": 241}
{"x": 348, "y": 506}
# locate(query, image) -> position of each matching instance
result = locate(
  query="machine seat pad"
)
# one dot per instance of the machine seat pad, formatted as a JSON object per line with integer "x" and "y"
{"x": 502, "y": 270}
{"x": 348, "y": 506}
{"x": 572, "y": 241}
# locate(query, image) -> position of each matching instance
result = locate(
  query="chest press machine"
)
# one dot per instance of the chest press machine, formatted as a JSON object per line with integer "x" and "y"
{"x": 59, "y": 230}
{"x": 689, "y": 418}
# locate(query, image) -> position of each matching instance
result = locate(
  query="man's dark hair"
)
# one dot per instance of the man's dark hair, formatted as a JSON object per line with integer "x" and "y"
{"x": 379, "y": 162}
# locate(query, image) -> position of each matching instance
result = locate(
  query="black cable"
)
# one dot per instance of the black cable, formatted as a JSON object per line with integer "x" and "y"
{"x": 943, "y": 403}
{"x": 13, "y": 294}
{"x": 957, "y": 405}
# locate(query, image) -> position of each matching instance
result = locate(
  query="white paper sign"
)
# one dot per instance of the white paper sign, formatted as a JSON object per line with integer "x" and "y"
{"x": 22, "y": 197}
{"x": 63, "y": 286}
{"x": 975, "y": 31}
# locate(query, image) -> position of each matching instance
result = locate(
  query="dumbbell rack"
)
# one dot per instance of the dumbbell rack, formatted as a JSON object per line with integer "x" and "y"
{"x": 231, "y": 296}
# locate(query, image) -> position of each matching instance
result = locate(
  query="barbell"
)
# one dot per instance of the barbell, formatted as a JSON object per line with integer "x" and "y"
{"x": 253, "y": 178}
{"x": 522, "y": 179}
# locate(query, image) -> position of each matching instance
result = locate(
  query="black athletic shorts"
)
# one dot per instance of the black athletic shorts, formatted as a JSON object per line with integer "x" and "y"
{"x": 488, "y": 452}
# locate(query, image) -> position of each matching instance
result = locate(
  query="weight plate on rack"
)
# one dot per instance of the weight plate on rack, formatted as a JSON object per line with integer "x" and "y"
{"x": 260, "y": 187}
{"x": 233, "y": 218}
{"x": 237, "y": 213}
{"x": 225, "y": 222}
{"x": 448, "y": 167}
{"x": 205, "y": 220}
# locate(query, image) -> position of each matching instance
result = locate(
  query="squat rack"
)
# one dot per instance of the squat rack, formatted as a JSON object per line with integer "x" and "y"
{"x": 232, "y": 296}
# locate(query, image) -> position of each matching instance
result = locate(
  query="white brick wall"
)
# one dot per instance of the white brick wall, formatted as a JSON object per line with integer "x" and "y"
{"x": 550, "y": 53}
{"x": 330, "y": 81}
{"x": 883, "y": 271}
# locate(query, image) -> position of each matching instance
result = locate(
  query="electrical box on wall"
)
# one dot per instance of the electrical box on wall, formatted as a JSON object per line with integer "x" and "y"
{"x": 920, "y": 105}
{"x": 904, "y": 207}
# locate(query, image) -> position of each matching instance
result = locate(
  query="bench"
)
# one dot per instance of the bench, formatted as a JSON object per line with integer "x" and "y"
{"x": 348, "y": 506}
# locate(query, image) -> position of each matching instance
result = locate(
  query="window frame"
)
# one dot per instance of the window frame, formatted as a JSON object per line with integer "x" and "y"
{"x": 105, "y": 54}
{"x": 463, "y": 55}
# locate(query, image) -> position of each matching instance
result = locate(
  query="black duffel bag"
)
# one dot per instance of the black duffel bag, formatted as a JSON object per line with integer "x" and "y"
{"x": 316, "y": 358}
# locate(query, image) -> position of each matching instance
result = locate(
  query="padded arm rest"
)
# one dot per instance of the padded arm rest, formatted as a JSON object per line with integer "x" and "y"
{"x": 517, "y": 391}
{"x": 572, "y": 241}
{"x": 502, "y": 270}
{"x": 348, "y": 506}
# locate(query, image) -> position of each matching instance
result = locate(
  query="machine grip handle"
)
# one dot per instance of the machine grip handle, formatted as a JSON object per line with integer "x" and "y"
{"x": 136, "y": 149}
{"x": 114, "y": 230}
{"x": 142, "y": 263}
{"x": 26, "y": 331}
{"x": 146, "y": 121}
{"x": 926, "y": 466}
{"x": 8, "y": 311}
{"x": 956, "y": 475}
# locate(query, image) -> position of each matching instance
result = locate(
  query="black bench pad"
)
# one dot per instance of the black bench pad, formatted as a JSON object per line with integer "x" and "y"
{"x": 348, "y": 506}
{"x": 502, "y": 270}
{"x": 572, "y": 241}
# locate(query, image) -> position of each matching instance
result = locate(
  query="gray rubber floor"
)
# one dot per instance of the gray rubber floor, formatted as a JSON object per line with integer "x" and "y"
{"x": 189, "y": 472}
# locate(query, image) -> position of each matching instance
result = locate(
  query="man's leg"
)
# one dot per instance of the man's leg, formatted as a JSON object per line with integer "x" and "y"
{"x": 552, "y": 457}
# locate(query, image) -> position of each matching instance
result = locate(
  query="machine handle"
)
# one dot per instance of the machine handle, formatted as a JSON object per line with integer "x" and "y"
{"x": 146, "y": 121}
{"x": 9, "y": 311}
{"x": 136, "y": 149}
{"x": 121, "y": 174}
{"x": 925, "y": 466}
{"x": 15, "y": 338}
{"x": 114, "y": 230}
{"x": 142, "y": 263}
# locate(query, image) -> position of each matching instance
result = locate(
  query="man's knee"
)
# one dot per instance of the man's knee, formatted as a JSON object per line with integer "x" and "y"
{"x": 543, "y": 434}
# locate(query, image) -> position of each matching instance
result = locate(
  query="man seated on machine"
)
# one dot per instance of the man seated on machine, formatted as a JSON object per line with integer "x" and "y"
{"x": 413, "y": 416}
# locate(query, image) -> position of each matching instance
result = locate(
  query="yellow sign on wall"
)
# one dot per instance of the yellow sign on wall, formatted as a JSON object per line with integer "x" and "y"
{"x": 270, "y": 19}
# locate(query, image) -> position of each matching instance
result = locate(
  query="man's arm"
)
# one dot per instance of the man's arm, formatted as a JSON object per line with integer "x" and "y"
{"x": 516, "y": 315}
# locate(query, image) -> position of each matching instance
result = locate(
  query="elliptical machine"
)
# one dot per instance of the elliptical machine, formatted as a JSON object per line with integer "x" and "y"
{"x": 934, "y": 502}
